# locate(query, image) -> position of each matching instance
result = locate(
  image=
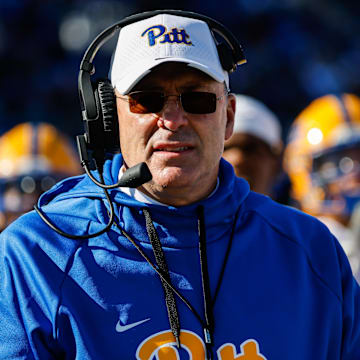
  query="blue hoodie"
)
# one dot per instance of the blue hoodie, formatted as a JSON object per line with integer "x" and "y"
{"x": 283, "y": 291}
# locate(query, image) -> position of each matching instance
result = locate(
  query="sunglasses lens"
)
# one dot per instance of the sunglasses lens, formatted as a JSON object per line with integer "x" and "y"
{"x": 197, "y": 102}
{"x": 194, "y": 102}
{"x": 146, "y": 102}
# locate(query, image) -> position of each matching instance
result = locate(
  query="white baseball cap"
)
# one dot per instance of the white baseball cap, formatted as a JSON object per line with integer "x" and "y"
{"x": 255, "y": 118}
{"x": 147, "y": 43}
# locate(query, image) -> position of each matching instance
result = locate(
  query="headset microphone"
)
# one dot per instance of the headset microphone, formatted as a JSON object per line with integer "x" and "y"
{"x": 136, "y": 176}
{"x": 133, "y": 177}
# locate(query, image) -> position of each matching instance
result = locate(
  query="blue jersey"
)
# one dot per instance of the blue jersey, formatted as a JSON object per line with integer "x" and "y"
{"x": 280, "y": 284}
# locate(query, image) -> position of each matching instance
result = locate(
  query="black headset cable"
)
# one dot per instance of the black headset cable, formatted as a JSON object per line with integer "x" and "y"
{"x": 133, "y": 177}
{"x": 80, "y": 237}
{"x": 208, "y": 309}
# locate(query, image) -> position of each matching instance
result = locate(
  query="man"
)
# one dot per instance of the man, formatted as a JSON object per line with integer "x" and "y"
{"x": 33, "y": 157}
{"x": 195, "y": 265}
{"x": 255, "y": 147}
{"x": 323, "y": 162}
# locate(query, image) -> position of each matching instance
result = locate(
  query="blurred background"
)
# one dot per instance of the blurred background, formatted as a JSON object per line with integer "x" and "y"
{"x": 296, "y": 50}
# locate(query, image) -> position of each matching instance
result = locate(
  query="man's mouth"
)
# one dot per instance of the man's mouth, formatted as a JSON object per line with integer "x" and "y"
{"x": 174, "y": 149}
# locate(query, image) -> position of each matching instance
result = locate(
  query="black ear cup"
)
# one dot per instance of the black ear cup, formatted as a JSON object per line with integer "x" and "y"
{"x": 102, "y": 129}
{"x": 108, "y": 113}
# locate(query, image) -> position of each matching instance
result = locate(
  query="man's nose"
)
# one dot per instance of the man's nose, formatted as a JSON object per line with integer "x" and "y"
{"x": 173, "y": 115}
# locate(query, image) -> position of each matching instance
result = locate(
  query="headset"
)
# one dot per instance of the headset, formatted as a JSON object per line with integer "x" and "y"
{"x": 97, "y": 98}
{"x": 99, "y": 111}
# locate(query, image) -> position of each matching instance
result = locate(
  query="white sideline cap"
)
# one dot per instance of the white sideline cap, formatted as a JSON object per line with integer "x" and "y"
{"x": 255, "y": 118}
{"x": 147, "y": 43}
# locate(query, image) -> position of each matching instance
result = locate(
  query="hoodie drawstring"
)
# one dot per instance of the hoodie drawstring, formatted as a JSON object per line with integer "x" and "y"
{"x": 161, "y": 262}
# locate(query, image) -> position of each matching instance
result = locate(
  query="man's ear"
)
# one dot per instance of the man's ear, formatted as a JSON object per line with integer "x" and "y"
{"x": 230, "y": 116}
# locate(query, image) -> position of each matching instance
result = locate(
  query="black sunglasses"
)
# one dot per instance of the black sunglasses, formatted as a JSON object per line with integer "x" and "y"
{"x": 193, "y": 102}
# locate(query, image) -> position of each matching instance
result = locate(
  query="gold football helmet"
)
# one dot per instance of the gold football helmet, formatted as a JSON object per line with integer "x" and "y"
{"x": 322, "y": 156}
{"x": 33, "y": 157}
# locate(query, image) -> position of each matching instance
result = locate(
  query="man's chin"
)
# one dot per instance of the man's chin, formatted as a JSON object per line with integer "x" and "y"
{"x": 172, "y": 177}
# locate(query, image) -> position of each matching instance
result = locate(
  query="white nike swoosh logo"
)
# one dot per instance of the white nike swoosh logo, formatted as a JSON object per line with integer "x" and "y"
{"x": 121, "y": 328}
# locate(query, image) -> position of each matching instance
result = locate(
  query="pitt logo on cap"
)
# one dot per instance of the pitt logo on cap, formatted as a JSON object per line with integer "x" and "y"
{"x": 159, "y": 32}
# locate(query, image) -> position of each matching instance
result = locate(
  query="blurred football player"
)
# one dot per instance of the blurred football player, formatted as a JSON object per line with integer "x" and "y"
{"x": 33, "y": 157}
{"x": 322, "y": 158}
